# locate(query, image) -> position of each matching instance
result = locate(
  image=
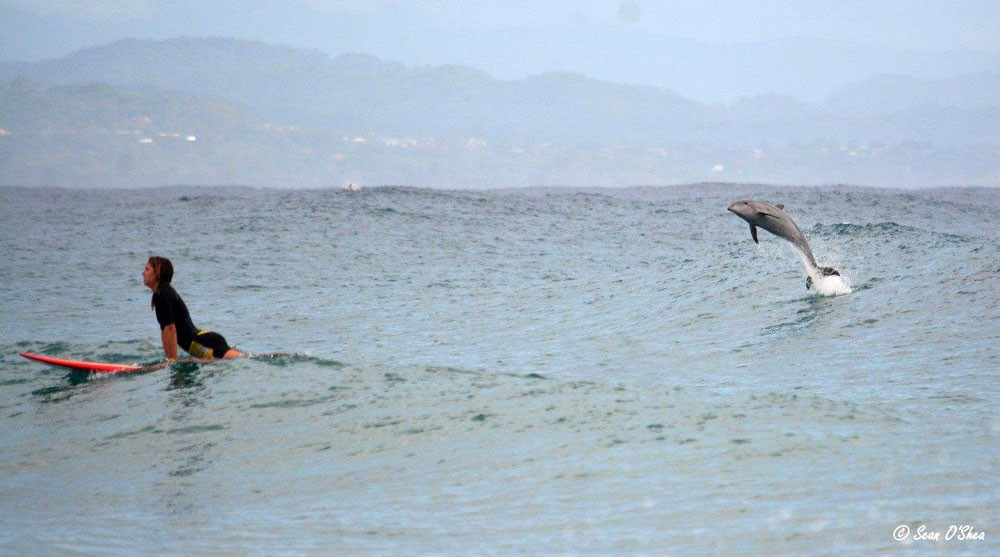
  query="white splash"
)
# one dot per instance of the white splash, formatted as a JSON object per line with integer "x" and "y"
{"x": 826, "y": 285}
{"x": 832, "y": 285}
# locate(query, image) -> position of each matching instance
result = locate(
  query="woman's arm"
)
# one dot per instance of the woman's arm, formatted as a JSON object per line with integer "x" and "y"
{"x": 169, "y": 337}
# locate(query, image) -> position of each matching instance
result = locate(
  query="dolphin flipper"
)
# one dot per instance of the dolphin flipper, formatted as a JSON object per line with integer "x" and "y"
{"x": 753, "y": 233}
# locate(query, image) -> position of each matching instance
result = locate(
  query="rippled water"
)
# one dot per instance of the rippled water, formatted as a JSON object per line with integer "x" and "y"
{"x": 542, "y": 371}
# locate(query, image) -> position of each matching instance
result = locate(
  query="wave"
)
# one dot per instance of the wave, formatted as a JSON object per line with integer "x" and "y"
{"x": 888, "y": 229}
{"x": 284, "y": 359}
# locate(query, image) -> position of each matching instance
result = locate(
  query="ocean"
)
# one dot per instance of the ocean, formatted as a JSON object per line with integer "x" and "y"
{"x": 500, "y": 372}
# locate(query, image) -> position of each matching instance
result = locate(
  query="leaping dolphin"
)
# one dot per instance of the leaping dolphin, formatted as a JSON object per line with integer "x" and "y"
{"x": 774, "y": 219}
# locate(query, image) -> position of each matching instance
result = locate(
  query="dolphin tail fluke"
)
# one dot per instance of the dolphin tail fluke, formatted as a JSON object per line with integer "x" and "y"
{"x": 753, "y": 233}
{"x": 824, "y": 271}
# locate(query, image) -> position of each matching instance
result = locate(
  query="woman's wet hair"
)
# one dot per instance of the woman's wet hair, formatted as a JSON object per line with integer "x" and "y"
{"x": 164, "y": 269}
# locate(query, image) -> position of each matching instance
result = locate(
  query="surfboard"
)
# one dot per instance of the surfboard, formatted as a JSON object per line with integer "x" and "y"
{"x": 86, "y": 366}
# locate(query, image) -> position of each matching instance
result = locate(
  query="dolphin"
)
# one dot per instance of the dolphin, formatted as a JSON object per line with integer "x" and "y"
{"x": 774, "y": 219}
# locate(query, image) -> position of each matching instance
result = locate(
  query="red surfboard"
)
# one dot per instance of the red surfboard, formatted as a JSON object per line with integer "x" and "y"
{"x": 86, "y": 366}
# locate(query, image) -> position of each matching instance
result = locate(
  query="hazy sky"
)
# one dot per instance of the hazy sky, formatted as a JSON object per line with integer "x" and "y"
{"x": 508, "y": 39}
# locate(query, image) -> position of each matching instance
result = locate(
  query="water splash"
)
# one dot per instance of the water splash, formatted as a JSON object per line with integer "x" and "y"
{"x": 825, "y": 284}
{"x": 830, "y": 285}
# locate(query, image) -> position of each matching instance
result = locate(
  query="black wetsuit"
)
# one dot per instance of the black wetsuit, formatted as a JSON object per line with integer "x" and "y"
{"x": 170, "y": 310}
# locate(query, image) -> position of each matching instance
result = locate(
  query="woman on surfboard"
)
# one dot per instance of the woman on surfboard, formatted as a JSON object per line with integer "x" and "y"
{"x": 176, "y": 328}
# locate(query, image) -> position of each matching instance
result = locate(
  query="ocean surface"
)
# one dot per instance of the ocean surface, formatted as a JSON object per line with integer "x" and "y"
{"x": 547, "y": 371}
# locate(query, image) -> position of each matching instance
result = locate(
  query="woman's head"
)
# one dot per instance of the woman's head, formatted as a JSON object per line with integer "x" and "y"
{"x": 158, "y": 272}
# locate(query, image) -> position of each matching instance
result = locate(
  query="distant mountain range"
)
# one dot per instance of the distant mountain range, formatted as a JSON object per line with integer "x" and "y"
{"x": 893, "y": 93}
{"x": 136, "y": 113}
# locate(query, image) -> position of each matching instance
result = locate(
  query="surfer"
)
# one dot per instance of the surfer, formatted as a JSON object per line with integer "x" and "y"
{"x": 176, "y": 327}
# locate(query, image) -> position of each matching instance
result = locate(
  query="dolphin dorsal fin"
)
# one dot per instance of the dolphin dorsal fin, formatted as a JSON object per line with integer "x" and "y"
{"x": 765, "y": 210}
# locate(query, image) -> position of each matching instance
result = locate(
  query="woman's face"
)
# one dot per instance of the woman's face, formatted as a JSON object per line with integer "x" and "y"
{"x": 149, "y": 277}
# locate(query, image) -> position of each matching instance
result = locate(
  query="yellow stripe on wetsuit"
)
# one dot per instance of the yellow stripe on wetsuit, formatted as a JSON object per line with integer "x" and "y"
{"x": 199, "y": 351}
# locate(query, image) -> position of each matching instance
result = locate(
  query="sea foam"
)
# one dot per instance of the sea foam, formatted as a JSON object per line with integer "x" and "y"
{"x": 832, "y": 285}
